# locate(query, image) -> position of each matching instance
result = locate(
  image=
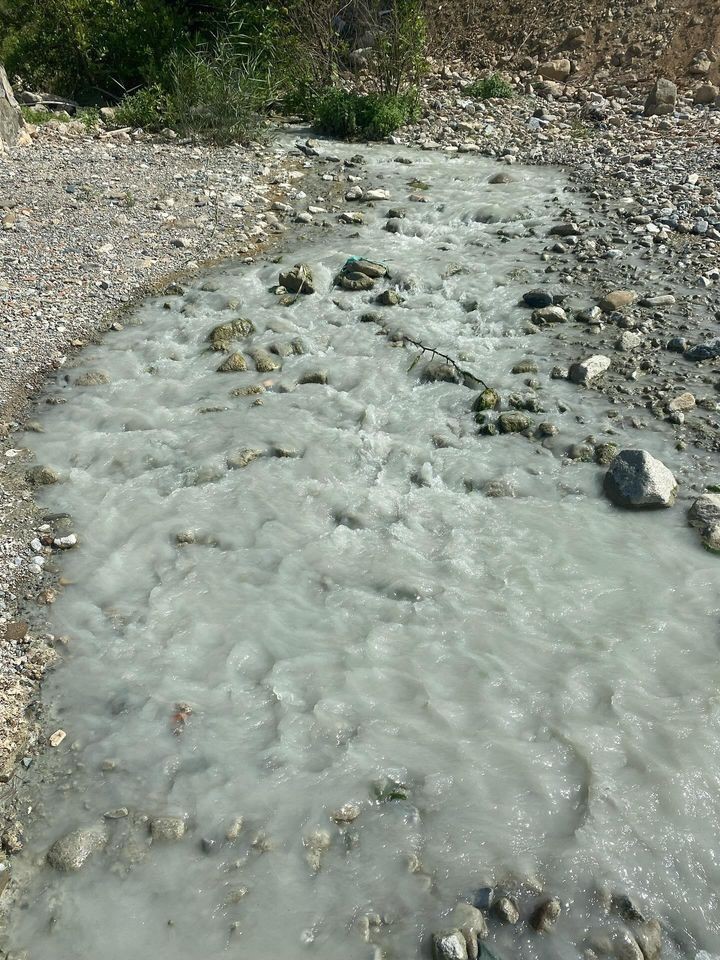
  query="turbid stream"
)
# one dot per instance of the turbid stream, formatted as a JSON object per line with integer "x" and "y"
{"x": 514, "y": 688}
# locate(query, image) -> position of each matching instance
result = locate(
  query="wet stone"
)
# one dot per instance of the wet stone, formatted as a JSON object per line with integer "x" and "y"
{"x": 264, "y": 362}
{"x": 537, "y": 299}
{"x": 242, "y": 459}
{"x": 546, "y": 915}
{"x": 74, "y": 850}
{"x": 42, "y": 476}
{"x": 449, "y": 945}
{"x": 637, "y": 480}
{"x": 222, "y": 336}
{"x": 513, "y": 422}
{"x": 235, "y": 363}
{"x": 506, "y": 910}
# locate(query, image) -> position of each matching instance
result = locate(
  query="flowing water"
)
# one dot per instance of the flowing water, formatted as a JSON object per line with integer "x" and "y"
{"x": 513, "y": 689}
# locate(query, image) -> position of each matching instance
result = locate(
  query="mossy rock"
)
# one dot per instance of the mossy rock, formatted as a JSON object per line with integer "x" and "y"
{"x": 223, "y": 335}
{"x": 489, "y": 399}
{"x": 235, "y": 363}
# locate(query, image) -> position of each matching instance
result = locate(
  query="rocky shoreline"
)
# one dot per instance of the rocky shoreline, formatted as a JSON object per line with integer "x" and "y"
{"x": 94, "y": 220}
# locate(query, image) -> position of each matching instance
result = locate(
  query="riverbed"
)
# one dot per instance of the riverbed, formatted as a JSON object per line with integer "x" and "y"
{"x": 510, "y": 682}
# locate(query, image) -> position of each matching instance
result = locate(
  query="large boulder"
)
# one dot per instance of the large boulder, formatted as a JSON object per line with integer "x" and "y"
{"x": 661, "y": 99}
{"x": 11, "y": 121}
{"x": 638, "y": 481}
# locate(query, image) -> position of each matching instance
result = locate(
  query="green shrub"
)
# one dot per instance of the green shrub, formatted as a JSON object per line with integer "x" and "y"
{"x": 373, "y": 116}
{"x": 490, "y": 87}
{"x": 217, "y": 93}
{"x": 82, "y": 48}
{"x": 147, "y": 108}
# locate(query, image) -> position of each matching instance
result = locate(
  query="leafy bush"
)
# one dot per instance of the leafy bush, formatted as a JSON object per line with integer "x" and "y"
{"x": 490, "y": 87}
{"x": 147, "y": 108}
{"x": 84, "y": 47}
{"x": 372, "y": 116}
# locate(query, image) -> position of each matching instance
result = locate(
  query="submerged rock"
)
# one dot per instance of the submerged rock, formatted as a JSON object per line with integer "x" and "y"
{"x": 637, "y": 480}
{"x": 239, "y": 460}
{"x": 167, "y": 829}
{"x": 74, "y": 850}
{"x": 93, "y": 378}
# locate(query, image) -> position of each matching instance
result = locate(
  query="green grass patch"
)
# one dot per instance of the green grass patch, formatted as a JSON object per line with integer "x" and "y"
{"x": 363, "y": 116}
{"x": 490, "y": 88}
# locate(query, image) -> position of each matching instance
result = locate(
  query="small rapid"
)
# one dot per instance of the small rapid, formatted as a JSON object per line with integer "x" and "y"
{"x": 406, "y": 689}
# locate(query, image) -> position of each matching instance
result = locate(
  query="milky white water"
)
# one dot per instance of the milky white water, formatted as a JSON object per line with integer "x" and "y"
{"x": 541, "y": 672}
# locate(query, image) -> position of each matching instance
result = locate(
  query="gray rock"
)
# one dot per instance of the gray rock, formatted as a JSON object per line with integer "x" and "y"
{"x": 546, "y": 915}
{"x": 587, "y": 370}
{"x": 298, "y": 280}
{"x": 704, "y": 351}
{"x": 525, "y": 366}
{"x": 239, "y": 460}
{"x": 93, "y": 378}
{"x": 354, "y": 280}
{"x": 649, "y": 939}
{"x": 706, "y": 93}
{"x": 625, "y": 946}
{"x": 11, "y": 121}
{"x": 513, "y": 422}
{"x": 628, "y": 341}
{"x": 74, "y": 850}
{"x": 389, "y": 298}
{"x": 506, "y": 910}
{"x": 681, "y": 403}
{"x": 557, "y": 70}
{"x": 167, "y": 829}
{"x": 547, "y": 315}
{"x": 662, "y": 99}
{"x": 438, "y": 370}
{"x": 637, "y": 480}
{"x": 471, "y": 923}
{"x": 449, "y": 945}
{"x": 42, "y": 476}
{"x": 616, "y": 300}
{"x": 705, "y": 511}
{"x": 538, "y": 299}
{"x": 314, "y": 376}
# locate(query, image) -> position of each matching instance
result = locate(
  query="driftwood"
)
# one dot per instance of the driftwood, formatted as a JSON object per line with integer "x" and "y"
{"x": 468, "y": 378}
